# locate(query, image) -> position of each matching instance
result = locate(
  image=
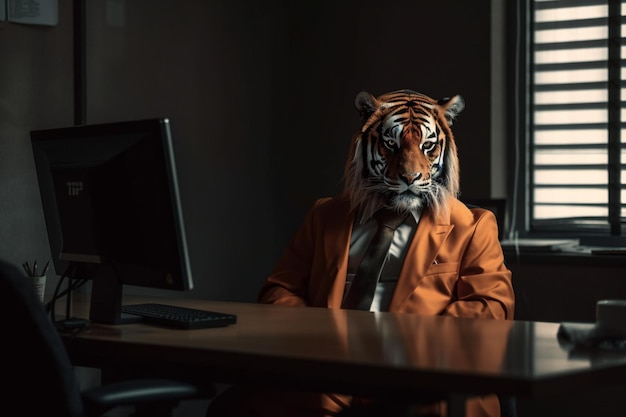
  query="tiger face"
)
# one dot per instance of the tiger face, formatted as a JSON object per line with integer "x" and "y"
{"x": 404, "y": 156}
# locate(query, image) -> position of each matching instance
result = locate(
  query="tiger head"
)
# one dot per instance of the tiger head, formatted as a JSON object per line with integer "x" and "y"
{"x": 404, "y": 156}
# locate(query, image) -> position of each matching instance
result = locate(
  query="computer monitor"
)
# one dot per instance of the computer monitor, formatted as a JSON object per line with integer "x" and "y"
{"x": 112, "y": 209}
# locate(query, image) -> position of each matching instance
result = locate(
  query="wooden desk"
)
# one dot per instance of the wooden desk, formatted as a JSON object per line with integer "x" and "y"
{"x": 351, "y": 351}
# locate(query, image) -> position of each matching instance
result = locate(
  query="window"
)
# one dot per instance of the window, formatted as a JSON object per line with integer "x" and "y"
{"x": 571, "y": 170}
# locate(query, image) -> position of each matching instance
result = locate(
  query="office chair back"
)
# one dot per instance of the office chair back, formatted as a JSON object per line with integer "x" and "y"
{"x": 38, "y": 376}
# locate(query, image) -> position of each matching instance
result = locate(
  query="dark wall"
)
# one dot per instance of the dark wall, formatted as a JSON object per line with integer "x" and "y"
{"x": 207, "y": 66}
{"x": 332, "y": 50}
{"x": 261, "y": 101}
{"x": 35, "y": 90}
{"x": 560, "y": 287}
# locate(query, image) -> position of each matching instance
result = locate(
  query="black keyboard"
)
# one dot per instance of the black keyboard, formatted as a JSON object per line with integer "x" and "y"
{"x": 179, "y": 317}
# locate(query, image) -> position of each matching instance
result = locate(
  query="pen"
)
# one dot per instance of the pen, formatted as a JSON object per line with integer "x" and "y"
{"x": 32, "y": 272}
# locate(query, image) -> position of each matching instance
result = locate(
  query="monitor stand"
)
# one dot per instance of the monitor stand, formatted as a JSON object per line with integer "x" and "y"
{"x": 106, "y": 298}
{"x": 71, "y": 324}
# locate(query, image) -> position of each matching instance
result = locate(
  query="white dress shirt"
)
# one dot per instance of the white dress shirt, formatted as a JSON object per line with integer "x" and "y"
{"x": 362, "y": 234}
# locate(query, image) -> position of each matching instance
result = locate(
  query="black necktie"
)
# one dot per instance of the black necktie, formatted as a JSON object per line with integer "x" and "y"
{"x": 363, "y": 287}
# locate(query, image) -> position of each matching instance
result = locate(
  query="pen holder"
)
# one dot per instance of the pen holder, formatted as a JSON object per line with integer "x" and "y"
{"x": 39, "y": 283}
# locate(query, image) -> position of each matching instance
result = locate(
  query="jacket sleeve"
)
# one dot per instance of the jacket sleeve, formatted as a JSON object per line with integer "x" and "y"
{"x": 289, "y": 281}
{"x": 484, "y": 288}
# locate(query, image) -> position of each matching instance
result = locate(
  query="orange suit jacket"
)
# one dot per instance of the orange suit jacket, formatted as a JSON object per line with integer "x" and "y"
{"x": 454, "y": 266}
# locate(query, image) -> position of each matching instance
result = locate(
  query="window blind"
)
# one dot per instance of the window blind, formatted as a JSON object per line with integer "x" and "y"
{"x": 576, "y": 173}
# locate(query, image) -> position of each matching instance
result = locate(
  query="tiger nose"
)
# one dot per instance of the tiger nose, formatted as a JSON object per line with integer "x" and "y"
{"x": 411, "y": 177}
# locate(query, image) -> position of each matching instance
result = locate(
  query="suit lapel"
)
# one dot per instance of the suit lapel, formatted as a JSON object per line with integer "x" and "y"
{"x": 422, "y": 253}
{"x": 339, "y": 225}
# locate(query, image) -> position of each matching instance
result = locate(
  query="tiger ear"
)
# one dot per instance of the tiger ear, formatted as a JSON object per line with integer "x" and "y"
{"x": 451, "y": 107}
{"x": 366, "y": 104}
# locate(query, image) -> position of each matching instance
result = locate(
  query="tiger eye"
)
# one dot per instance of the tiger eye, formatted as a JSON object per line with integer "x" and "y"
{"x": 429, "y": 146}
{"x": 391, "y": 144}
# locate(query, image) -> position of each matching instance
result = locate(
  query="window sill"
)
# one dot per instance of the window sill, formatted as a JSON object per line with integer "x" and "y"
{"x": 575, "y": 255}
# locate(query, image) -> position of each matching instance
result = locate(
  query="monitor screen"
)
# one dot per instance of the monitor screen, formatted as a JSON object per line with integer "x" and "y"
{"x": 112, "y": 208}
